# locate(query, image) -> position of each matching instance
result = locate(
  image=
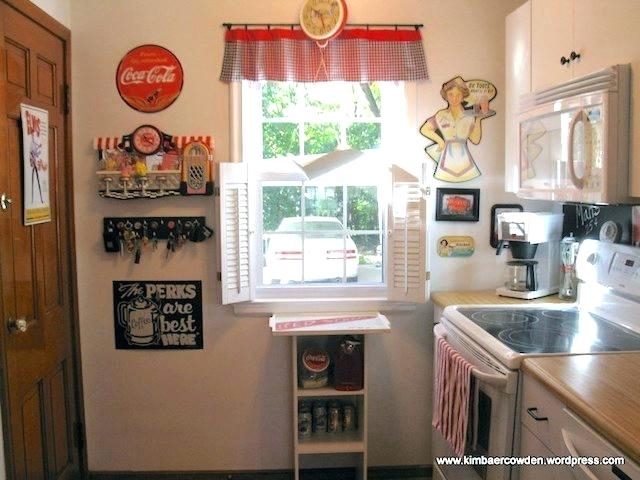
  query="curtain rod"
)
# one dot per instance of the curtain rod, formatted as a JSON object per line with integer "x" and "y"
{"x": 293, "y": 25}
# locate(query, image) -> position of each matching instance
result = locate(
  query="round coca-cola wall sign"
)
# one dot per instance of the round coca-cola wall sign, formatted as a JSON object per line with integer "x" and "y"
{"x": 149, "y": 78}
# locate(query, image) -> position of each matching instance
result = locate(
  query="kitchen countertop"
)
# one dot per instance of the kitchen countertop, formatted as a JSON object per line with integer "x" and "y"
{"x": 482, "y": 297}
{"x": 602, "y": 389}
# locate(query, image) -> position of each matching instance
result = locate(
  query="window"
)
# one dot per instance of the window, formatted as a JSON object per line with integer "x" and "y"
{"x": 307, "y": 214}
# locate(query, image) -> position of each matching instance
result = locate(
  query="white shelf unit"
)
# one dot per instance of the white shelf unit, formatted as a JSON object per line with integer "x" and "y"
{"x": 339, "y": 449}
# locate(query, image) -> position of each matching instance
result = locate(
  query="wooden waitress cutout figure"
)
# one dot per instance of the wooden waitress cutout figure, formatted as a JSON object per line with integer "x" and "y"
{"x": 451, "y": 128}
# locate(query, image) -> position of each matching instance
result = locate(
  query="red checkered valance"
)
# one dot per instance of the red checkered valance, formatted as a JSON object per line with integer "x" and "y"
{"x": 356, "y": 55}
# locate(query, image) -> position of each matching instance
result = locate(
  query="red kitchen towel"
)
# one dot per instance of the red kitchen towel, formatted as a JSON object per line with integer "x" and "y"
{"x": 452, "y": 387}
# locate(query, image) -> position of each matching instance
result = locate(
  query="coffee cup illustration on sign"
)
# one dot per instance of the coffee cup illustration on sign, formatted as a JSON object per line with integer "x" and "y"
{"x": 140, "y": 318}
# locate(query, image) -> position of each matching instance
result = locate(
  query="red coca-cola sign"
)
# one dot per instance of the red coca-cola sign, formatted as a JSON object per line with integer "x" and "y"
{"x": 149, "y": 78}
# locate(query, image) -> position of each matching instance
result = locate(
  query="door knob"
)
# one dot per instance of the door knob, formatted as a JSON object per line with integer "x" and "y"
{"x": 5, "y": 202}
{"x": 19, "y": 325}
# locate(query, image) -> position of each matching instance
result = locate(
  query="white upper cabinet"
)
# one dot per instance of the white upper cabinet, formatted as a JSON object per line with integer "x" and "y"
{"x": 551, "y": 40}
{"x": 572, "y": 38}
{"x": 599, "y": 33}
{"x": 517, "y": 83}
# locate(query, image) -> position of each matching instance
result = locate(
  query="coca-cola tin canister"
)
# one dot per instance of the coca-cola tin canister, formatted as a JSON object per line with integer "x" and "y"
{"x": 314, "y": 368}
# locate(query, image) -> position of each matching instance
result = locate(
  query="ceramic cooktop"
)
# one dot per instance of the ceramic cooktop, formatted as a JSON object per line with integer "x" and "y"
{"x": 539, "y": 331}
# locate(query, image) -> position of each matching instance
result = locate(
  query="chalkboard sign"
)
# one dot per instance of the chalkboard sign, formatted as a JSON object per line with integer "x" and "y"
{"x": 158, "y": 314}
{"x": 601, "y": 222}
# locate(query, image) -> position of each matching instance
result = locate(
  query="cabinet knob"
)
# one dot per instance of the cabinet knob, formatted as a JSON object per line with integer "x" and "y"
{"x": 574, "y": 56}
{"x": 564, "y": 60}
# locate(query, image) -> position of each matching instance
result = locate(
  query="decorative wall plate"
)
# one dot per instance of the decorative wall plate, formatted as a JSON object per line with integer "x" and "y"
{"x": 149, "y": 78}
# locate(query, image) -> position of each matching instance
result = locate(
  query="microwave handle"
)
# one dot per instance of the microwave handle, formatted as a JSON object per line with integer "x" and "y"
{"x": 581, "y": 116}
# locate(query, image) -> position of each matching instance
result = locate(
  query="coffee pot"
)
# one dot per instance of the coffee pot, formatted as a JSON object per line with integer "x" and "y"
{"x": 533, "y": 240}
{"x": 521, "y": 276}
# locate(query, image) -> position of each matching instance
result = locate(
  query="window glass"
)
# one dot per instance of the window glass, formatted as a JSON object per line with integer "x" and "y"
{"x": 316, "y": 247}
{"x": 328, "y": 230}
{"x": 321, "y": 137}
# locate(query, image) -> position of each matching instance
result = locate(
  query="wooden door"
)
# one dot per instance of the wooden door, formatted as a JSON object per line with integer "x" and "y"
{"x": 40, "y": 395}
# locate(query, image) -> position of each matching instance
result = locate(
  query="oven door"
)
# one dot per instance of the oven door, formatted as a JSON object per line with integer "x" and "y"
{"x": 492, "y": 415}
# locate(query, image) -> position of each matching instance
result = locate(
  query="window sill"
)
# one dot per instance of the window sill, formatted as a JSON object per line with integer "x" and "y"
{"x": 325, "y": 305}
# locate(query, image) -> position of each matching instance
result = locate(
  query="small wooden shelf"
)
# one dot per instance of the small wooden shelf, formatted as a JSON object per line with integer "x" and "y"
{"x": 343, "y": 442}
{"x": 326, "y": 392}
{"x": 324, "y": 330}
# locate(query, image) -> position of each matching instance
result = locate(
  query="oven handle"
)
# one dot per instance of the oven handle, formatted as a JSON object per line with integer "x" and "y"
{"x": 497, "y": 380}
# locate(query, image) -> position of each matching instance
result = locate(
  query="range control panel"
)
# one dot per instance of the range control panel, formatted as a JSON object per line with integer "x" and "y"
{"x": 612, "y": 265}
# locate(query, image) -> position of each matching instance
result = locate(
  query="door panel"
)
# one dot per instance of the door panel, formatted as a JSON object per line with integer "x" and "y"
{"x": 32, "y": 446}
{"x": 59, "y": 418}
{"x": 36, "y": 260}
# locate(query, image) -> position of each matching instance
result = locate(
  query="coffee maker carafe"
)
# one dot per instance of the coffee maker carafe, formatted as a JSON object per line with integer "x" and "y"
{"x": 533, "y": 239}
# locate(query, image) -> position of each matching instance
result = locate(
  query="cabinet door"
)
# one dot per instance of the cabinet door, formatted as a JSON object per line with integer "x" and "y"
{"x": 605, "y": 34}
{"x": 518, "y": 83}
{"x": 551, "y": 38}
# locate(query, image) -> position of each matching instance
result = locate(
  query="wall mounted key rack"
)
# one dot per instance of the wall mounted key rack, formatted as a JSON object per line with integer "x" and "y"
{"x": 133, "y": 235}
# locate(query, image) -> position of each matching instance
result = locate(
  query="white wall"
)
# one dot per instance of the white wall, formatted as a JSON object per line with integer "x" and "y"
{"x": 58, "y": 9}
{"x": 227, "y": 407}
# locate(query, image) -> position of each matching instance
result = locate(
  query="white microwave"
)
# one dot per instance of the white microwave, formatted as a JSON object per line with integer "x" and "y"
{"x": 573, "y": 140}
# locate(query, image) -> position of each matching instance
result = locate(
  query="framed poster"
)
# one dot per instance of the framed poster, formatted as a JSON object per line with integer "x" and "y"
{"x": 159, "y": 314}
{"x": 458, "y": 204}
{"x": 35, "y": 148}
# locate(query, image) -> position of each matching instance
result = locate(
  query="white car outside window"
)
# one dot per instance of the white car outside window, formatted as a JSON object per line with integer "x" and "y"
{"x": 310, "y": 249}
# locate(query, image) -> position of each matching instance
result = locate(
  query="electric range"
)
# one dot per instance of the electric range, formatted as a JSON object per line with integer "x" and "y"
{"x": 605, "y": 318}
{"x": 494, "y": 339}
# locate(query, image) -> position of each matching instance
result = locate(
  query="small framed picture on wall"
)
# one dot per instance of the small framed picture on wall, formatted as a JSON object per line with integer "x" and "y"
{"x": 458, "y": 204}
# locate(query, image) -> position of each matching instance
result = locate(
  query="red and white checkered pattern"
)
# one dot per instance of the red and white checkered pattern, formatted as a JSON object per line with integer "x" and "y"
{"x": 356, "y": 55}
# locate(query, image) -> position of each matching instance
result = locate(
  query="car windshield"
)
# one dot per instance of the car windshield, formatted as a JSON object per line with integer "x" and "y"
{"x": 329, "y": 227}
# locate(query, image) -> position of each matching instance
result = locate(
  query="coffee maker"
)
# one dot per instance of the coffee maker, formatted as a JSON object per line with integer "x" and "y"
{"x": 533, "y": 239}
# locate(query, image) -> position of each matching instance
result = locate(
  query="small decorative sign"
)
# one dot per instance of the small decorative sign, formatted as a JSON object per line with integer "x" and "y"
{"x": 456, "y": 246}
{"x": 158, "y": 314}
{"x": 451, "y": 129}
{"x": 458, "y": 204}
{"x": 35, "y": 148}
{"x": 149, "y": 78}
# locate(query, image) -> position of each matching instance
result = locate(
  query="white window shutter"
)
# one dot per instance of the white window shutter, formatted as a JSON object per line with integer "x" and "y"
{"x": 406, "y": 252}
{"x": 236, "y": 276}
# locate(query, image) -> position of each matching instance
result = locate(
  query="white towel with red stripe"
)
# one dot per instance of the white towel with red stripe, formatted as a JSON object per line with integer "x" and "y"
{"x": 451, "y": 396}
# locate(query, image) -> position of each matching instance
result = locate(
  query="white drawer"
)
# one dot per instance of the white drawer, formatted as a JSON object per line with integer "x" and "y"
{"x": 541, "y": 412}
{"x": 580, "y": 440}
{"x": 531, "y": 445}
